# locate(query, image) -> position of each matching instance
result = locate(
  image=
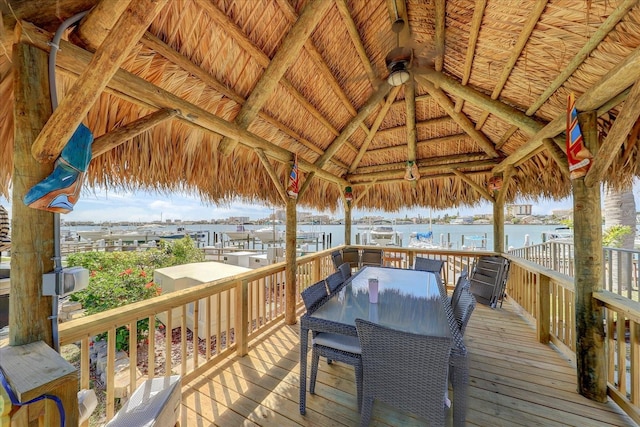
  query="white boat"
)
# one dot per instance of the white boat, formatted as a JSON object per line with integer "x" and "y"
{"x": 422, "y": 240}
{"x": 241, "y": 233}
{"x": 558, "y": 234}
{"x": 269, "y": 235}
{"x": 383, "y": 235}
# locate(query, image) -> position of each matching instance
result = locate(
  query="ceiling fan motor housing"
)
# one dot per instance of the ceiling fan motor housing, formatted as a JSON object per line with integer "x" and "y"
{"x": 398, "y": 61}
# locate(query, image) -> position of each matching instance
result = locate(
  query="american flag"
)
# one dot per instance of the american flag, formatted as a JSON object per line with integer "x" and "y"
{"x": 294, "y": 179}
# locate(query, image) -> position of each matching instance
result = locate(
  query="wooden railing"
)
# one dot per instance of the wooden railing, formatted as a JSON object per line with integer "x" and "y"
{"x": 547, "y": 298}
{"x": 235, "y": 310}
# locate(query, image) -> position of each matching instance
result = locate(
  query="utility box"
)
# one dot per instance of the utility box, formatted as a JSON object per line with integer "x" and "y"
{"x": 240, "y": 259}
{"x": 179, "y": 277}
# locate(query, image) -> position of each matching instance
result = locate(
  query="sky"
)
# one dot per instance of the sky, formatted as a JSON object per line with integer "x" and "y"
{"x": 149, "y": 206}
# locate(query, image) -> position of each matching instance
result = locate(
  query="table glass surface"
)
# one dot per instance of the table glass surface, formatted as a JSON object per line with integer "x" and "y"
{"x": 408, "y": 300}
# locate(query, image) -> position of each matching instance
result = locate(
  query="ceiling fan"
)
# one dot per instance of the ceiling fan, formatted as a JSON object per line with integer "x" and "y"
{"x": 402, "y": 60}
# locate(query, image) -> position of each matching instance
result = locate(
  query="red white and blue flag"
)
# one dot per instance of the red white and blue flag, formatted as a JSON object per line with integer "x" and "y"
{"x": 294, "y": 179}
{"x": 578, "y": 155}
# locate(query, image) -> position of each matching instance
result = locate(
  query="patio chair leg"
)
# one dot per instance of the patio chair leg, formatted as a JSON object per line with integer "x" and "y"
{"x": 359, "y": 380}
{"x": 367, "y": 409}
{"x": 315, "y": 358}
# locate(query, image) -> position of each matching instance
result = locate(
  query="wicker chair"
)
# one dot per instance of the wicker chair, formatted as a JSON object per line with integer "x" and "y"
{"x": 404, "y": 370}
{"x": 352, "y": 256}
{"x": 335, "y": 281}
{"x": 463, "y": 283}
{"x": 371, "y": 257}
{"x": 345, "y": 269}
{"x": 463, "y": 309}
{"x": 336, "y": 257}
{"x": 314, "y": 296}
{"x": 428, "y": 264}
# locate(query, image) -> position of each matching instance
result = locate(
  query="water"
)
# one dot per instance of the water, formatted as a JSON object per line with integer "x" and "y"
{"x": 453, "y": 233}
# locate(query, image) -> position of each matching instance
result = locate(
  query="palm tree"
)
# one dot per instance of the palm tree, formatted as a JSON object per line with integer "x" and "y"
{"x": 620, "y": 209}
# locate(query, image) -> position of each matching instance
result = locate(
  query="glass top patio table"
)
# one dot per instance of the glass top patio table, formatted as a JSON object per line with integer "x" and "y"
{"x": 408, "y": 300}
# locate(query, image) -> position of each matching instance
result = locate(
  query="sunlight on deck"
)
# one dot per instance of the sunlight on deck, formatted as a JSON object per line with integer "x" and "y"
{"x": 514, "y": 381}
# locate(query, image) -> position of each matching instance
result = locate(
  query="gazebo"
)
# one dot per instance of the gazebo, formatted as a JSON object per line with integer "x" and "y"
{"x": 379, "y": 104}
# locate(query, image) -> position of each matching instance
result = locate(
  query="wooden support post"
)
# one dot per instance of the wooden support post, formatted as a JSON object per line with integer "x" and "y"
{"x": 32, "y": 234}
{"x": 498, "y": 225}
{"x": 587, "y": 221}
{"x": 543, "y": 314}
{"x": 347, "y": 224}
{"x": 290, "y": 261}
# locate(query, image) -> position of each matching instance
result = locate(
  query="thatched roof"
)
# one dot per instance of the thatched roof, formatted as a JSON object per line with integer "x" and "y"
{"x": 490, "y": 83}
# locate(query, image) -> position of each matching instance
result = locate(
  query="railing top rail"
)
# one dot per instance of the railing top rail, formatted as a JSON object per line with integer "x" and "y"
{"x": 563, "y": 279}
{"x": 619, "y": 303}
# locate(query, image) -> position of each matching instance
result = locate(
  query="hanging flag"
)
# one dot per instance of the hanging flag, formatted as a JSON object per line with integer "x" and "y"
{"x": 578, "y": 155}
{"x": 294, "y": 179}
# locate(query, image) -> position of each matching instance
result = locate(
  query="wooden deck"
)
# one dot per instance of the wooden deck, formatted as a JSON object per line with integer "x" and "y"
{"x": 514, "y": 382}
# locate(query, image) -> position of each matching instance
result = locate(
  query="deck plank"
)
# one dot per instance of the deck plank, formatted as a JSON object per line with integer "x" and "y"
{"x": 514, "y": 381}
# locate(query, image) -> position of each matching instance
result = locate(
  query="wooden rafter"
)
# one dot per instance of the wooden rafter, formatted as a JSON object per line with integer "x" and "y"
{"x": 321, "y": 64}
{"x": 557, "y": 155}
{"x": 419, "y": 125}
{"x": 111, "y": 140}
{"x": 439, "y": 34}
{"x": 420, "y": 144}
{"x": 286, "y": 55}
{"x": 423, "y": 170}
{"x": 616, "y": 136}
{"x": 183, "y": 62}
{"x": 95, "y": 26}
{"x": 363, "y": 193}
{"x": 506, "y": 180}
{"x": 443, "y": 161}
{"x": 448, "y": 174}
{"x": 74, "y": 60}
{"x": 463, "y": 121}
{"x": 355, "y": 38}
{"x": 83, "y": 94}
{"x": 483, "y": 191}
{"x": 476, "y": 21}
{"x": 272, "y": 173}
{"x": 374, "y": 128}
{"x": 616, "y": 81}
{"x": 410, "y": 102}
{"x": 538, "y": 7}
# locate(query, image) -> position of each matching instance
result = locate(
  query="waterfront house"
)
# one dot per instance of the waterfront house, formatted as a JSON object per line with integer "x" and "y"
{"x": 380, "y": 104}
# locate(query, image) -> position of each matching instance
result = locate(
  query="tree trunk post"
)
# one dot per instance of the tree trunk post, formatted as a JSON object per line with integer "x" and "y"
{"x": 587, "y": 221}
{"x": 498, "y": 225}
{"x": 347, "y": 223}
{"x": 290, "y": 257}
{"x": 32, "y": 230}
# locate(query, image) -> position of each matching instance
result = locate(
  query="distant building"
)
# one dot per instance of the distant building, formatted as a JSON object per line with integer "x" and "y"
{"x": 519, "y": 210}
{"x": 562, "y": 213}
{"x": 238, "y": 219}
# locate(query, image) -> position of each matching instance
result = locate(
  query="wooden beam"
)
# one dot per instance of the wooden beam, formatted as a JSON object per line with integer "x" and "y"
{"x": 443, "y": 161}
{"x": 587, "y": 222}
{"x": 607, "y": 88}
{"x": 410, "y": 104}
{"x": 355, "y": 38}
{"x": 506, "y": 180}
{"x": 141, "y": 92}
{"x": 463, "y": 121}
{"x": 124, "y": 133}
{"x": 272, "y": 174}
{"x": 351, "y": 127}
{"x": 353, "y": 178}
{"x": 439, "y": 36}
{"x": 616, "y": 136}
{"x": 538, "y": 7}
{"x": 476, "y": 21}
{"x": 419, "y": 125}
{"x": 603, "y": 30}
{"x": 374, "y": 128}
{"x": 363, "y": 192}
{"x": 290, "y": 317}
{"x": 420, "y": 144}
{"x": 481, "y": 190}
{"x": 95, "y": 26}
{"x": 32, "y": 229}
{"x": 86, "y": 90}
{"x": 557, "y": 155}
{"x": 287, "y": 54}
{"x": 422, "y": 178}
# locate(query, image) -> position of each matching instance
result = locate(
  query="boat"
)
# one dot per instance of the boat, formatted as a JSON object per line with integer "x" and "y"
{"x": 558, "y": 234}
{"x": 475, "y": 243}
{"x": 310, "y": 236}
{"x": 422, "y": 240}
{"x": 241, "y": 233}
{"x": 384, "y": 235}
{"x": 269, "y": 235}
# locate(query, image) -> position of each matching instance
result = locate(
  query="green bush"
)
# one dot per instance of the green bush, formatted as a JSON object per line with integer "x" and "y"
{"x": 120, "y": 278}
{"x": 614, "y": 235}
